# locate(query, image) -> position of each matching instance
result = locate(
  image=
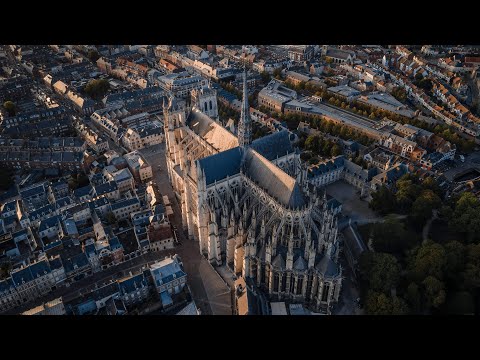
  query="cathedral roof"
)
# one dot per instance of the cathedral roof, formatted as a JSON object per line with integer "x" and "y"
{"x": 274, "y": 145}
{"x": 327, "y": 267}
{"x": 221, "y": 165}
{"x": 300, "y": 264}
{"x": 212, "y": 132}
{"x": 273, "y": 179}
{"x": 279, "y": 262}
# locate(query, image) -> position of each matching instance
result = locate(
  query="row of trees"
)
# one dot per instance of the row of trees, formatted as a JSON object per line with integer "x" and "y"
{"x": 366, "y": 110}
{"x": 226, "y": 112}
{"x": 399, "y": 93}
{"x": 321, "y": 146}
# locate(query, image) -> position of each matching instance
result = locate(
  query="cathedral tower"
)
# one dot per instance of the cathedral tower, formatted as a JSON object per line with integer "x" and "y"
{"x": 245, "y": 126}
{"x": 205, "y": 100}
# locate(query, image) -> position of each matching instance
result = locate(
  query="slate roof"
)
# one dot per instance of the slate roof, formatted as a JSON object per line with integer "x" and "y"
{"x": 221, "y": 165}
{"x": 300, "y": 264}
{"x": 40, "y": 269}
{"x": 124, "y": 203}
{"x": 274, "y": 145}
{"x": 6, "y": 284}
{"x": 327, "y": 267}
{"x": 85, "y": 190}
{"x": 25, "y": 194}
{"x": 80, "y": 260}
{"x": 164, "y": 271}
{"x": 275, "y": 181}
{"x": 132, "y": 283}
{"x": 279, "y": 262}
{"x": 22, "y": 275}
{"x": 49, "y": 223}
{"x": 106, "y": 188}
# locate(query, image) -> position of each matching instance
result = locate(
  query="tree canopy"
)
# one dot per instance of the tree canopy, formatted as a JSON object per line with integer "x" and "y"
{"x": 10, "y": 107}
{"x": 97, "y": 89}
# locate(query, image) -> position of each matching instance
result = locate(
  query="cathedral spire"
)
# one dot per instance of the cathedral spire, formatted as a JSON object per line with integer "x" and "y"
{"x": 244, "y": 126}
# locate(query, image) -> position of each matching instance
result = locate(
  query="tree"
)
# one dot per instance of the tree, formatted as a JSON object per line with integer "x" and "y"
{"x": 466, "y": 216}
{"x": 10, "y": 107}
{"x": 312, "y": 143}
{"x": 407, "y": 192}
{"x": 265, "y": 76}
{"x": 82, "y": 179}
{"x": 336, "y": 150}
{"x": 97, "y": 89}
{"x": 428, "y": 260}
{"x": 72, "y": 183}
{"x": 423, "y": 206}
{"x": 372, "y": 116}
{"x": 434, "y": 292}
{"x": 380, "y": 270}
{"x": 414, "y": 297}
{"x": 383, "y": 201}
{"x": 390, "y": 236}
{"x": 93, "y": 55}
{"x": 277, "y": 73}
{"x": 381, "y": 304}
{"x": 471, "y": 274}
{"x": 110, "y": 217}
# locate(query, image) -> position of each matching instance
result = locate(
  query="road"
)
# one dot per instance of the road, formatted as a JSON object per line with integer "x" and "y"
{"x": 209, "y": 291}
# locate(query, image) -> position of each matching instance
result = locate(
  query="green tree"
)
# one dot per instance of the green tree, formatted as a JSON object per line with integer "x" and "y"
{"x": 383, "y": 201}
{"x": 10, "y": 107}
{"x": 423, "y": 206}
{"x": 380, "y": 270}
{"x": 428, "y": 260}
{"x": 97, "y": 89}
{"x": 93, "y": 55}
{"x": 390, "y": 236}
{"x": 312, "y": 143}
{"x": 265, "y": 76}
{"x": 414, "y": 297}
{"x": 336, "y": 150}
{"x": 466, "y": 216}
{"x": 434, "y": 292}
{"x": 381, "y": 304}
{"x": 110, "y": 217}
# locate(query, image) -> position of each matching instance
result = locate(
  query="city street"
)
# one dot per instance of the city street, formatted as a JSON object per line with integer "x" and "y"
{"x": 209, "y": 291}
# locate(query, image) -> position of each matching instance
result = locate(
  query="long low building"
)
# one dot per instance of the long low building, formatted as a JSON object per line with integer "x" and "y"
{"x": 386, "y": 102}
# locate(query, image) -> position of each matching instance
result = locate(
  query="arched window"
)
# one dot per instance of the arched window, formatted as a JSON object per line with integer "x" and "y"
{"x": 210, "y": 104}
{"x": 205, "y": 106}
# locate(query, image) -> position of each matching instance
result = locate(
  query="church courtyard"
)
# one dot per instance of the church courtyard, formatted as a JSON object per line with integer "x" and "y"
{"x": 352, "y": 206}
